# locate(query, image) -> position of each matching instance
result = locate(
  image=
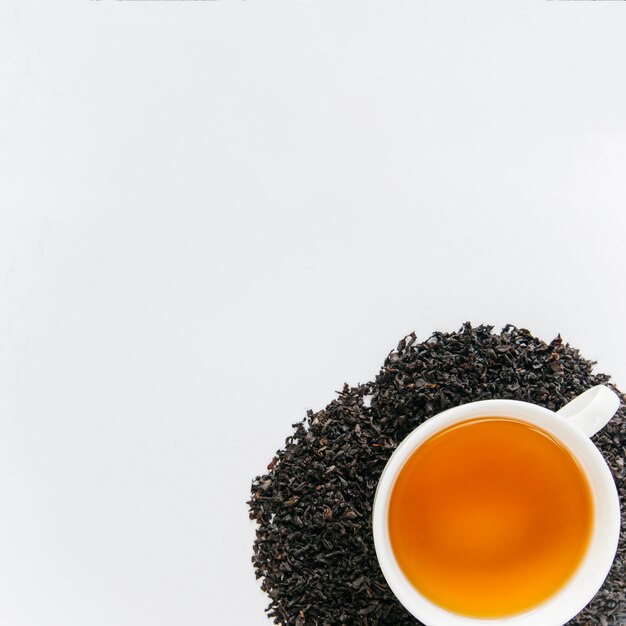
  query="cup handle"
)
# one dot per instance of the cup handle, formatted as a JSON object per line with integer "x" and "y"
{"x": 592, "y": 409}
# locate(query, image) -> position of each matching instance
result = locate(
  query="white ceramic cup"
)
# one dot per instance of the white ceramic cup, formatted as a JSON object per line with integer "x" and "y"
{"x": 572, "y": 426}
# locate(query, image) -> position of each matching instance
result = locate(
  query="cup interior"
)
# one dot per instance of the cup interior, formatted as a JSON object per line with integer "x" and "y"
{"x": 591, "y": 572}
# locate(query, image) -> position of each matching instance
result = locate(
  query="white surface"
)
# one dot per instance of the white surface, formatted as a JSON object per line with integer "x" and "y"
{"x": 212, "y": 214}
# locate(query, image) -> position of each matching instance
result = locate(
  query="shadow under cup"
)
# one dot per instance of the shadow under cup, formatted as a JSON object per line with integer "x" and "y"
{"x": 490, "y": 517}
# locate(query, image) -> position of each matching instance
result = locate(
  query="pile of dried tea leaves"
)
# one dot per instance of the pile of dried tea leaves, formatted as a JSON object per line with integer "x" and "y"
{"x": 314, "y": 549}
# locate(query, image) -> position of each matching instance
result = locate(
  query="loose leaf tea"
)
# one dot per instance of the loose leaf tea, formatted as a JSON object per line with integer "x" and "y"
{"x": 314, "y": 550}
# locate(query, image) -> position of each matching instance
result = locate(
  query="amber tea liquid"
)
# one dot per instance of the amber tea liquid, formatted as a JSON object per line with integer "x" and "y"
{"x": 490, "y": 517}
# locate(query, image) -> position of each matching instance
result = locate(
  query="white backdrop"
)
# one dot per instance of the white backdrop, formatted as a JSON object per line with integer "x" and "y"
{"x": 212, "y": 214}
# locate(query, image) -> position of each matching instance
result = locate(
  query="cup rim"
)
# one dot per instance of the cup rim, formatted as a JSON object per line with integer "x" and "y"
{"x": 595, "y": 565}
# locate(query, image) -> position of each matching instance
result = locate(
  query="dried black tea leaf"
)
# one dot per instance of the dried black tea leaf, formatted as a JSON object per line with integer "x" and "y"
{"x": 314, "y": 550}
